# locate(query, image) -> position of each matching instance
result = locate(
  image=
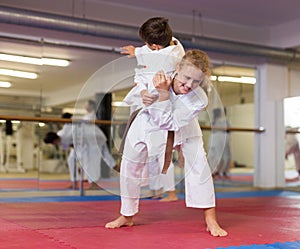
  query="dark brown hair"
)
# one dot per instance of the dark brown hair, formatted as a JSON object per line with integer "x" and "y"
{"x": 156, "y": 30}
{"x": 51, "y": 137}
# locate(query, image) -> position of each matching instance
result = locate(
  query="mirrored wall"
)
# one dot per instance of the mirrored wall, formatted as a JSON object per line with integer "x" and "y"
{"x": 29, "y": 162}
{"x": 36, "y": 107}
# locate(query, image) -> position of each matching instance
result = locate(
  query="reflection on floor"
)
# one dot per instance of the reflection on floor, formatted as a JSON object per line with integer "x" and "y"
{"x": 33, "y": 183}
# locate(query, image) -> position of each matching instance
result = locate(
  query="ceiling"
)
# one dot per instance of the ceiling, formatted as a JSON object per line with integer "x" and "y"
{"x": 249, "y": 13}
{"x": 269, "y": 22}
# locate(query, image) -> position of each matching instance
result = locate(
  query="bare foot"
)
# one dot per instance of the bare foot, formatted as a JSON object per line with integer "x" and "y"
{"x": 170, "y": 197}
{"x": 216, "y": 175}
{"x": 121, "y": 221}
{"x": 93, "y": 186}
{"x": 215, "y": 230}
{"x": 157, "y": 194}
{"x": 156, "y": 197}
{"x": 73, "y": 186}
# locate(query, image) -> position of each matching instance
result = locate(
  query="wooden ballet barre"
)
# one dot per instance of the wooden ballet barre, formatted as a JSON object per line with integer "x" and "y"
{"x": 293, "y": 130}
{"x": 108, "y": 122}
{"x": 258, "y": 130}
{"x": 59, "y": 120}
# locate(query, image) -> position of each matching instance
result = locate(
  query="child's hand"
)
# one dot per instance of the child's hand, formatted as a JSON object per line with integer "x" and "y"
{"x": 162, "y": 84}
{"x": 161, "y": 81}
{"x": 147, "y": 98}
{"x": 129, "y": 50}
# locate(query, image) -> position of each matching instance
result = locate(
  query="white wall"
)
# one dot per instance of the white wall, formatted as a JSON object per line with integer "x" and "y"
{"x": 242, "y": 115}
{"x": 242, "y": 143}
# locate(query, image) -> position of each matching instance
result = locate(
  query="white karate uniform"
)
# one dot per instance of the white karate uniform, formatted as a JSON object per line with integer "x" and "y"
{"x": 92, "y": 148}
{"x": 66, "y": 140}
{"x": 144, "y": 146}
{"x": 149, "y": 62}
{"x": 180, "y": 113}
{"x": 219, "y": 157}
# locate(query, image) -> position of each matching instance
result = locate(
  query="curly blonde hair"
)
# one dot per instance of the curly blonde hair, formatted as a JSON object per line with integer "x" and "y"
{"x": 198, "y": 58}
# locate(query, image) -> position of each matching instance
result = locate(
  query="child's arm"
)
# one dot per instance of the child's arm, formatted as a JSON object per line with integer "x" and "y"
{"x": 146, "y": 97}
{"x": 129, "y": 50}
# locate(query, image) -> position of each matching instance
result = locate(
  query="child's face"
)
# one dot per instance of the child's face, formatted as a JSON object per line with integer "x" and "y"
{"x": 88, "y": 107}
{"x": 154, "y": 46}
{"x": 187, "y": 79}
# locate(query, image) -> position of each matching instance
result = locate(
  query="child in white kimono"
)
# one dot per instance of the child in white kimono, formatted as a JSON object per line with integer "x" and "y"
{"x": 92, "y": 147}
{"x": 220, "y": 145}
{"x": 177, "y": 109}
{"x": 161, "y": 52}
{"x": 66, "y": 140}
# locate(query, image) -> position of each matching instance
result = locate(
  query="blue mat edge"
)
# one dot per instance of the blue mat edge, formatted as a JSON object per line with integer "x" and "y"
{"x": 219, "y": 195}
{"x": 277, "y": 245}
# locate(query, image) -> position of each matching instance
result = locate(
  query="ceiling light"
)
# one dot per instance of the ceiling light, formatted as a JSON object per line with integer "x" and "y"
{"x": 34, "y": 60}
{"x": 20, "y": 74}
{"x": 5, "y": 84}
{"x": 213, "y": 77}
{"x": 242, "y": 79}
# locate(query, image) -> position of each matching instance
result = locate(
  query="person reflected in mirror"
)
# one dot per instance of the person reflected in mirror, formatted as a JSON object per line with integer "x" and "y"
{"x": 292, "y": 148}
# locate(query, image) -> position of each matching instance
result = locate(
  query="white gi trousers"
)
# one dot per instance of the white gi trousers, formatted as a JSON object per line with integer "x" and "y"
{"x": 73, "y": 168}
{"x": 199, "y": 188}
{"x": 91, "y": 149}
{"x": 143, "y": 151}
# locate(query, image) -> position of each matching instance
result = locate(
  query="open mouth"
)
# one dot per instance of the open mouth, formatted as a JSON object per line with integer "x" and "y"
{"x": 185, "y": 87}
